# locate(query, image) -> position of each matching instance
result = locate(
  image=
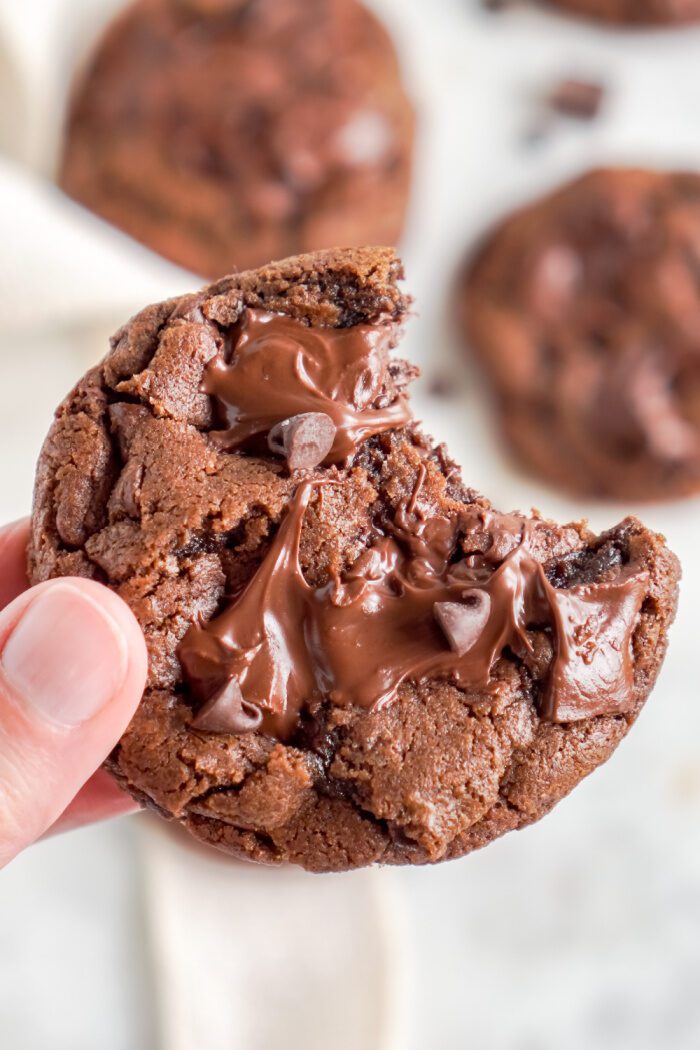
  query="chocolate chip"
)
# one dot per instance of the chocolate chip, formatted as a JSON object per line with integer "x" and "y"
{"x": 463, "y": 622}
{"x": 303, "y": 440}
{"x": 538, "y": 130}
{"x": 228, "y": 712}
{"x": 271, "y": 201}
{"x": 577, "y": 98}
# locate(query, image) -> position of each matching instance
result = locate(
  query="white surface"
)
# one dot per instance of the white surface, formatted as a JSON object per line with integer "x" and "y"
{"x": 73, "y": 964}
{"x": 582, "y": 931}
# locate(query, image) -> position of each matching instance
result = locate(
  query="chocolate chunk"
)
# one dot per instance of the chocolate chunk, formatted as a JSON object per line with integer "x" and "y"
{"x": 228, "y": 712}
{"x": 577, "y": 98}
{"x": 593, "y": 674}
{"x": 463, "y": 622}
{"x": 303, "y": 440}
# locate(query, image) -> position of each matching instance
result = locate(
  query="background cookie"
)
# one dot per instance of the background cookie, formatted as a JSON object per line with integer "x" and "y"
{"x": 279, "y": 723}
{"x": 223, "y": 133}
{"x": 635, "y": 12}
{"x": 584, "y": 309}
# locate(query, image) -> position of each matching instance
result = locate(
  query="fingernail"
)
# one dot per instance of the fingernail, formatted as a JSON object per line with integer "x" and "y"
{"x": 66, "y": 658}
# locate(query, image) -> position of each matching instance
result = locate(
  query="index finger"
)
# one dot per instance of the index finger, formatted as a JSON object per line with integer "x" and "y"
{"x": 13, "y": 560}
{"x": 99, "y": 799}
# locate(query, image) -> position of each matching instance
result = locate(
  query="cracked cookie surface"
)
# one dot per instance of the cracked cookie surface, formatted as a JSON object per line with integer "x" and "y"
{"x": 134, "y": 491}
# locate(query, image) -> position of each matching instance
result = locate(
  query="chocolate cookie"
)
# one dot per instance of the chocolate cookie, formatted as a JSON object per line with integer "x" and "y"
{"x": 223, "y": 133}
{"x": 584, "y": 309}
{"x": 635, "y": 12}
{"x": 353, "y": 657}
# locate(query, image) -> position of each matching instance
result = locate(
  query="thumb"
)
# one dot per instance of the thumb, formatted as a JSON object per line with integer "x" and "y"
{"x": 72, "y": 671}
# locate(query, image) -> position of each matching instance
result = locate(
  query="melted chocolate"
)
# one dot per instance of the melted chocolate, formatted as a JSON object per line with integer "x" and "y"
{"x": 279, "y": 368}
{"x": 228, "y": 712}
{"x": 406, "y": 611}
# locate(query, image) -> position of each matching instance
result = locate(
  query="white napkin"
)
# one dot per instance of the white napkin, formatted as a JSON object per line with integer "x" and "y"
{"x": 255, "y": 958}
{"x": 60, "y": 266}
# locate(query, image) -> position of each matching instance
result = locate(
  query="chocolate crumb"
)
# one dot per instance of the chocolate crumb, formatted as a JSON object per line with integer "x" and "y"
{"x": 443, "y": 386}
{"x": 581, "y": 99}
{"x": 539, "y": 129}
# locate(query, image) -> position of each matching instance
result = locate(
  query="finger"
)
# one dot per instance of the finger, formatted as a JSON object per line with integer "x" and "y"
{"x": 13, "y": 560}
{"x": 99, "y": 799}
{"x": 72, "y": 671}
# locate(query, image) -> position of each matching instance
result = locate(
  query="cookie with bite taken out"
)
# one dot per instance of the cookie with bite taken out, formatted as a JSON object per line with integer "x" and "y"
{"x": 354, "y": 658}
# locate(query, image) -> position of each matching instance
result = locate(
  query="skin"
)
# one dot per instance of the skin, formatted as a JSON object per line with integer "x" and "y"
{"x": 50, "y": 776}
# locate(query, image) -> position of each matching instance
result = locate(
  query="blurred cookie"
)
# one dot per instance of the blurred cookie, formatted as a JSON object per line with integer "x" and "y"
{"x": 353, "y": 658}
{"x": 584, "y": 310}
{"x": 223, "y": 133}
{"x": 635, "y": 12}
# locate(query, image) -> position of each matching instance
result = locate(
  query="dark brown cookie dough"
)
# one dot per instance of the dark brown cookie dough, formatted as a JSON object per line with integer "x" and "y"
{"x": 356, "y": 662}
{"x": 584, "y": 310}
{"x": 223, "y": 133}
{"x": 634, "y": 12}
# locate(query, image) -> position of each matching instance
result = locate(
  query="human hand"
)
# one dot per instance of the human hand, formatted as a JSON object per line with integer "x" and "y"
{"x": 72, "y": 671}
